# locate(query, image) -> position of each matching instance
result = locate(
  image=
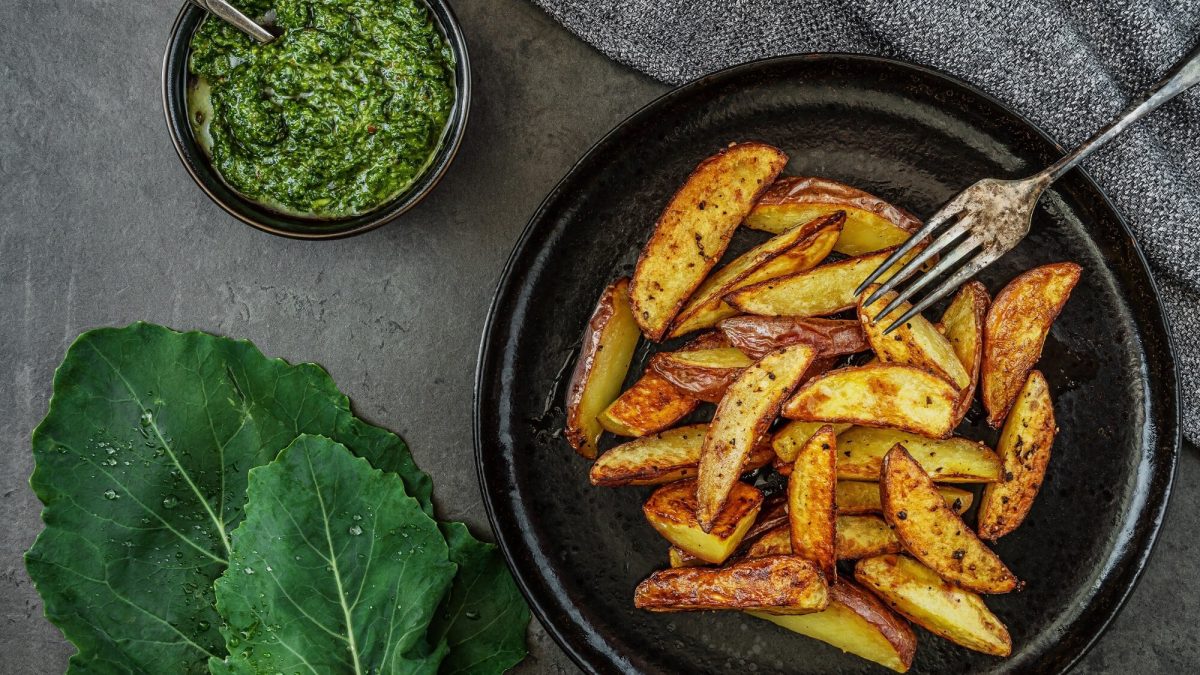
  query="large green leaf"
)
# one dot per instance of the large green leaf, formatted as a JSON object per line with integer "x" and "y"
{"x": 141, "y": 463}
{"x": 335, "y": 569}
{"x": 484, "y": 617}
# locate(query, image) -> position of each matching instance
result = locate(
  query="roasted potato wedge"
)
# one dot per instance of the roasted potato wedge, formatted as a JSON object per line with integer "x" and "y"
{"x": 935, "y": 534}
{"x": 855, "y": 537}
{"x": 962, "y": 324}
{"x": 811, "y": 511}
{"x": 649, "y": 406}
{"x": 777, "y": 585}
{"x": 704, "y": 373}
{"x": 608, "y": 345}
{"x": 864, "y": 536}
{"x": 794, "y": 251}
{"x": 652, "y": 403}
{"x": 950, "y": 460}
{"x": 871, "y": 223}
{"x": 788, "y": 440}
{"x": 858, "y": 623}
{"x": 694, "y": 230}
{"x": 664, "y": 457}
{"x": 915, "y": 343}
{"x": 1024, "y": 448}
{"x": 750, "y": 405}
{"x": 672, "y": 511}
{"x": 856, "y": 497}
{"x": 878, "y": 395}
{"x": 757, "y": 336}
{"x": 1016, "y": 329}
{"x": 823, "y": 290}
{"x": 934, "y": 604}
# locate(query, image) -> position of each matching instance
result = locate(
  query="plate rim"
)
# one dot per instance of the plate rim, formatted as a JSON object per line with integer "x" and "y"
{"x": 485, "y": 357}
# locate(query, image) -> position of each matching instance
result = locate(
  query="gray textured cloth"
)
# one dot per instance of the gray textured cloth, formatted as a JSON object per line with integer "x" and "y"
{"x": 1068, "y": 65}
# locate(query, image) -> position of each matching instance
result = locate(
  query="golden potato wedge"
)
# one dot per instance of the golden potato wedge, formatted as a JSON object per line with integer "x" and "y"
{"x": 950, "y": 460}
{"x": 855, "y": 537}
{"x": 650, "y": 405}
{"x": 794, "y": 251}
{"x": 871, "y": 223}
{"x": 1016, "y": 329}
{"x": 772, "y": 514}
{"x": 933, "y": 533}
{"x": 608, "y": 345}
{"x": 811, "y": 511}
{"x": 672, "y": 511}
{"x": 777, "y": 585}
{"x": 878, "y": 395}
{"x": 962, "y": 324}
{"x": 864, "y": 536}
{"x": 858, "y": 623}
{"x": 1024, "y": 448}
{"x": 694, "y": 229}
{"x": 856, "y": 497}
{"x": 681, "y": 558}
{"x": 704, "y": 373}
{"x": 664, "y": 457}
{"x": 788, "y": 440}
{"x": 750, "y": 405}
{"x": 757, "y": 336}
{"x": 827, "y": 289}
{"x": 915, "y": 343}
{"x": 934, "y": 604}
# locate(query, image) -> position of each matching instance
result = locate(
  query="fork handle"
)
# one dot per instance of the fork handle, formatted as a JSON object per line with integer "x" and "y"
{"x": 1182, "y": 77}
{"x": 232, "y": 15}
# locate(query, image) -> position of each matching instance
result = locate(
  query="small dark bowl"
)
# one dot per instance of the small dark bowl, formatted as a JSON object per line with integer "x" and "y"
{"x": 175, "y": 80}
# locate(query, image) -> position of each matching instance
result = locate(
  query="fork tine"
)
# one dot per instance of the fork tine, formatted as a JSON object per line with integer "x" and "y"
{"x": 969, "y": 244}
{"x": 917, "y": 237}
{"x": 967, "y": 271}
{"x": 940, "y": 242}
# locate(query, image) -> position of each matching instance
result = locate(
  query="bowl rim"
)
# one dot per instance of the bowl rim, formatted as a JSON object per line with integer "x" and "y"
{"x": 1167, "y": 447}
{"x": 274, "y": 222}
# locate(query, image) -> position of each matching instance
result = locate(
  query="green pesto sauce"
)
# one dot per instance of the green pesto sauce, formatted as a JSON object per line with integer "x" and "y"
{"x": 336, "y": 116}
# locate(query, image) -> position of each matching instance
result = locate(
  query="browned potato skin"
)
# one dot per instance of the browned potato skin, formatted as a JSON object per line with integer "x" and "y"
{"x": 879, "y": 406}
{"x": 792, "y": 193}
{"x": 749, "y": 407}
{"x": 687, "y": 242}
{"x": 933, "y": 533}
{"x": 760, "y": 335}
{"x": 888, "y": 623}
{"x": 707, "y": 383}
{"x": 662, "y": 458}
{"x": 775, "y": 584}
{"x": 652, "y": 403}
{"x": 962, "y": 324}
{"x": 1024, "y": 448}
{"x": 1016, "y": 329}
{"x": 811, "y": 511}
{"x": 856, "y": 537}
{"x": 599, "y": 374}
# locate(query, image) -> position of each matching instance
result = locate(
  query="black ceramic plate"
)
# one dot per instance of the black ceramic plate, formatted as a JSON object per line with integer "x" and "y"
{"x": 912, "y": 136}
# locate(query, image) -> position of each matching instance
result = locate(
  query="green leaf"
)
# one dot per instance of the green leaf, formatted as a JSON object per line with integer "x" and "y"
{"x": 334, "y": 569}
{"x": 484, "y": 618}
{"x": 141, "y": 463}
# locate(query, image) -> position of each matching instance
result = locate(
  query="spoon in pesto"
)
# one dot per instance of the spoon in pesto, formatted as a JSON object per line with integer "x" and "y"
{"x": 234, "y": 17}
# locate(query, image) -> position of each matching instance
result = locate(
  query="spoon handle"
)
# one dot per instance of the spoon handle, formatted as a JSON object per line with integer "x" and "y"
{"x": 233, "y": 16}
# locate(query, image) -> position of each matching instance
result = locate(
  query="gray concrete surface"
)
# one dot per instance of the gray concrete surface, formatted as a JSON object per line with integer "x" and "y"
{"x": 100, "y": 225}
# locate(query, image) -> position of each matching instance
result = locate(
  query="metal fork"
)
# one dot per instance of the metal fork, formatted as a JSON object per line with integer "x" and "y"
{"x": 992, "y": 215}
